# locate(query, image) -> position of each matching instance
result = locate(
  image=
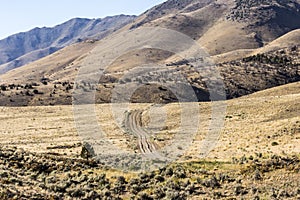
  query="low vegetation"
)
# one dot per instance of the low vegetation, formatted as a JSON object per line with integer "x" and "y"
{"x": 40, "y": 176}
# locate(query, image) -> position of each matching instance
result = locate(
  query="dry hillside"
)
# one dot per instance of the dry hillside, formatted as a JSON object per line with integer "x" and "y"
{"x": 50, "y": 81}
{"x": 243, "y": 36}
{"x": 250, "y": 150}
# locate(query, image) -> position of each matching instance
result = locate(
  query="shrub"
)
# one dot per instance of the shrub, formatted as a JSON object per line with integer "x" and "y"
{"x": 3, "y": 87}
{"x": 28, "y": 86}
{"x": 145, "y": 196}
{"x": 275, "y": 143}
{"x": 27, "y": 93}
{"x": 87, "y": 151}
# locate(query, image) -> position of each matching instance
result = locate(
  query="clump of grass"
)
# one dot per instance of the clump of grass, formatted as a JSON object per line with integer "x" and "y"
{"x": 274, "y": 143}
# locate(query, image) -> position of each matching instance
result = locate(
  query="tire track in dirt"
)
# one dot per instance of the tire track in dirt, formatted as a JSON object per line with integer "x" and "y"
{"x": 133, "y": 122}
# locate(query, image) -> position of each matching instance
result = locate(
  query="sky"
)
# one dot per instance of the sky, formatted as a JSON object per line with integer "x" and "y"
{"x": 19, "y": 16}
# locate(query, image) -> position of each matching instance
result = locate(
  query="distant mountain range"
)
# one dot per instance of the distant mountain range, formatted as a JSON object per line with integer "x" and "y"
{"x": 254, "y": 43}
{"x": 22, "y": 48}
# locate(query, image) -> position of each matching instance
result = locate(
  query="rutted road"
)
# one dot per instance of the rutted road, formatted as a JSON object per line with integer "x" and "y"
{"x": 133, "y": 122}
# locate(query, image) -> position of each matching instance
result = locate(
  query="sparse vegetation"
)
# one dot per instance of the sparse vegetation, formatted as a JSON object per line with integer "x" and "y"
{"x": 268, "y": 59}
{"x": 257, "y": 154}
{"x": 87, "y": 151}
{"x": 58, "y": 176}
{"x": 259, "y": 11}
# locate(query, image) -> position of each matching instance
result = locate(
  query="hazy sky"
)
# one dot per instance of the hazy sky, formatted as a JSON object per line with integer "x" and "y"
{"x": 19, "y": 16}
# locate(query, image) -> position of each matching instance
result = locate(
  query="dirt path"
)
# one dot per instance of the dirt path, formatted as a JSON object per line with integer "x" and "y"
{"x": 133, "y": 122}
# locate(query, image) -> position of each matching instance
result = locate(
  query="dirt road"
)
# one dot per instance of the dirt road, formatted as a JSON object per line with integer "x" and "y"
{"x": 133, "y": 122}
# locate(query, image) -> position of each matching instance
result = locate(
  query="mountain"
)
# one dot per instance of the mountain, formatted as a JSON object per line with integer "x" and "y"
{"x": 225, "y": 25}
{"x": 252, "y": 46}
{"x": 20, "y": 49}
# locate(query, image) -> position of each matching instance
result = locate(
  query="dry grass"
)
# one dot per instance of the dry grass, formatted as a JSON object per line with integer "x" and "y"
{"x": 290, "y": 39}
{"x": 252, "y": 125}
{"x": 219, "y": 42}
{"x": 59, "y": 66}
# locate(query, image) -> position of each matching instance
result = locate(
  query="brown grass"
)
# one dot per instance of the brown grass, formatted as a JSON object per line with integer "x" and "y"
{"x": 252, "y": 124}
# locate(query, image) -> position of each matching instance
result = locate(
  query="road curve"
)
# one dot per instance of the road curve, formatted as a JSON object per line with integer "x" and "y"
{"x": 133, "y": 122}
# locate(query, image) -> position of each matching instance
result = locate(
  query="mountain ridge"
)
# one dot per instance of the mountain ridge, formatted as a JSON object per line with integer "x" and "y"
{"x": 46, "y": 40}
{"x": 247, "y": 62}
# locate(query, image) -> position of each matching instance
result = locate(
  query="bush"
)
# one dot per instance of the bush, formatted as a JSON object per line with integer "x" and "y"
{"x": 275, "y": 143}
{"x": 145, "y": 196}
{"x": 87, "y": 151}
{"x": 28, "y": 86}
{"x": 3, "y": 87}
{"x": 27, "y": 93}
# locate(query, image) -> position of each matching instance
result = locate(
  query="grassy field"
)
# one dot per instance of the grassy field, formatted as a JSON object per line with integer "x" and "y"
{"x": 257, "y": 155}
{"x": 254, "y": 124}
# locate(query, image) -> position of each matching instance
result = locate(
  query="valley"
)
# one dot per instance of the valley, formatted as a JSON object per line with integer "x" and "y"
{"x": 260, "y": 130}
{"x": 189, "y": 100}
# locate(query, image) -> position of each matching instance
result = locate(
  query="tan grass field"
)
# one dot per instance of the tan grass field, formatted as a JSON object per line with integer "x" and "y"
{"x": 267, "y": 122}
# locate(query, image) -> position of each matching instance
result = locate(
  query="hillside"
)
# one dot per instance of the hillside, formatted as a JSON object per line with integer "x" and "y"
{"x": 108, "y": 110}
{"x": 22, "y": 48}
{"x": 244, "y": 24}
{"x": 290, "y": 39}
{"x": 252, "y": 46}
{"x": 50, "y": 81}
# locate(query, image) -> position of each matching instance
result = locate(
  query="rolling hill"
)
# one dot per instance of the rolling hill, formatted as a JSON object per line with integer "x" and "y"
{"x": 48, "y": 146}
{"x": 253, "y": 48}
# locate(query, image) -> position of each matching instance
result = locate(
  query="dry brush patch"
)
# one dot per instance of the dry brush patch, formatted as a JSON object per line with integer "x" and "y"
{"x": 28, "y": 175}
{"x": 257, "y": 155}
